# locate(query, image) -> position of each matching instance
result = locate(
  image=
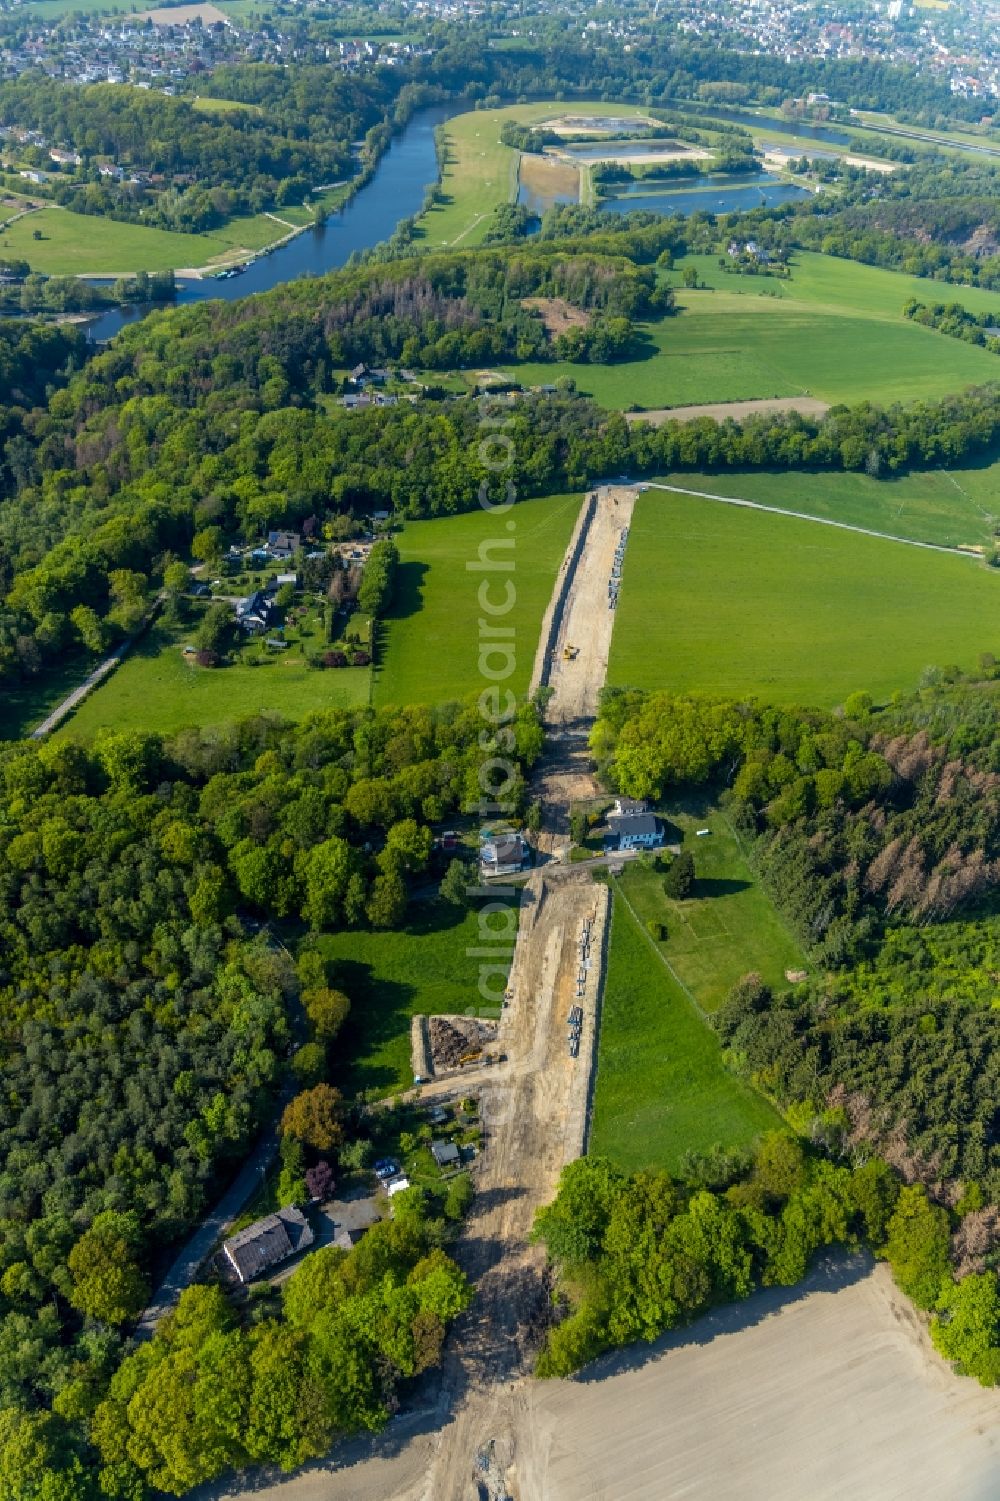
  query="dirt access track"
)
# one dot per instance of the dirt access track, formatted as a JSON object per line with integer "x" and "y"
{"x": 822, "y": 1392}
{"x": 807, "y": 406}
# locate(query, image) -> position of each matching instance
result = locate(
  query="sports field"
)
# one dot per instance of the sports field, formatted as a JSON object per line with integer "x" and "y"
{"x": 431, "y": 651}
{"x": 953, "y": 507}
{"x": 426, "y": 968}
{"x": 661, "y": 1087}
{"x": 721, "y": 600}
{"x": 87, "y": 244}
{"x": 157, "y": 688}
{"x": 729, "y": 925}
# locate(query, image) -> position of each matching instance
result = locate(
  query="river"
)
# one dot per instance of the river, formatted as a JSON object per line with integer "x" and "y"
{"x": 753, "y": 121}
{"x": 396, "y": 191}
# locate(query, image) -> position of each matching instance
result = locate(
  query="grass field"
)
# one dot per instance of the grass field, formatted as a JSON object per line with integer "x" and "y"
{"x": 86, "y": 244}
{"x": 156, "y": 688}
{"x": 832, "y": 283}
{"x": 207, "y": 105}
{"x": 729, "y": 926}
{"x": 954, "y": 507}
{"x": 25, "y": 705}
{"x": 432, "y": 646}
{"x": 53, "y": 10}
{"x": 426, "y": 968}
{"x": 480, "y": 172}
{"x": 661, "y": 1087}
{"x": 724, "y": 346}
{"x": 719, "y": 600}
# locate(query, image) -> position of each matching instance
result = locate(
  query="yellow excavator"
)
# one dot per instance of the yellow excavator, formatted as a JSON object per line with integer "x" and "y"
{"x": 570, "y": 653}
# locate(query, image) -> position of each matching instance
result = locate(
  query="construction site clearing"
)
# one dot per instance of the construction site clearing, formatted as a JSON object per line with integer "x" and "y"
{"x": 442, "y": 1045}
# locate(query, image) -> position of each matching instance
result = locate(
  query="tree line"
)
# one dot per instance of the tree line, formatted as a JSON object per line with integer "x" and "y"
{"x": 877, "y": 834}
{"x": 636, "y": 1255}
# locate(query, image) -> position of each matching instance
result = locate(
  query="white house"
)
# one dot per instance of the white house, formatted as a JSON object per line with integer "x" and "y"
{"x": 502, "y": 854}
{"x": 629, "y": 807}
{"x": 638, "y": 831}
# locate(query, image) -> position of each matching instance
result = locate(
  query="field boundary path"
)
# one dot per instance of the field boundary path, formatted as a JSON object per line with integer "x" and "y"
{"x": 186, "y": 1266}
{"x": 101, "y": 671}
{"x": 842, "y": 526}
{"x": 807, "y": 406}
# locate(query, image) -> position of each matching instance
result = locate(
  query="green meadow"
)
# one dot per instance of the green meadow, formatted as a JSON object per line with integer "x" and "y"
{"x": 661, "y": 1088}
{"x": 952, "y": 507}
{"x": 86, "y": 244}
{"x": 158, "y": 688}
{"x": 828, "y": 281}
{"x": 431, "y": 647}
{"x": 480, "y": 172}
{"x": 723, "y": 346}
{"x": 721, "y": 600}
{"x": 207, "y": 104}
{"x": 729, "y": 925}
{"x": 834, "y": 331}
{"x": 427, "y": 968}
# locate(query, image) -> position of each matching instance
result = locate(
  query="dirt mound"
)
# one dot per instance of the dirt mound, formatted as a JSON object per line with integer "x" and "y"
{"x": 454, "y": 1038}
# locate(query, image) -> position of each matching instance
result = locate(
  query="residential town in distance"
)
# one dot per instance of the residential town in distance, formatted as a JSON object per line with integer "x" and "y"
{"x": 941, "y": 40}
{"x": 154, "y": 50}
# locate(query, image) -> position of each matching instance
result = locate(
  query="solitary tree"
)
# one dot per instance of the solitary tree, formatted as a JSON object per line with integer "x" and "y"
{"x": 679, "y": 879}
{"x": 455, "y": 885}
{"x": 314, "y": 1118}
{"x": 327, "y": 1010}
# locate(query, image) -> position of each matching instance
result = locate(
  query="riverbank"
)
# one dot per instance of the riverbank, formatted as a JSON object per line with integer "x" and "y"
{"x": 371, "y": 207}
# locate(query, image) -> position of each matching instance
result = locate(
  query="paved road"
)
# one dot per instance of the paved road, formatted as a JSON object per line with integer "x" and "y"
{"x": 72, "y": 700}
{"x": 842, "y": 526}
{"x": 187, "y": 1265}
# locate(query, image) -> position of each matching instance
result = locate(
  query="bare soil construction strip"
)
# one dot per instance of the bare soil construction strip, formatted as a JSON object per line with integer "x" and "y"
{"x": 808, "y": 406}
{"x": 826, "y": 1391}
{"x": 818, "y": 1393}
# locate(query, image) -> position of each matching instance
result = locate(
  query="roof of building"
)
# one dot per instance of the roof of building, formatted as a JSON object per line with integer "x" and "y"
{"x": 635, "y": 824}
{"x": 348, "y": 1239}
{"x": 503, "y": 849}
{"x": 444, "y": 1153}
{"x": 628, "y": 807}
{"x": 268, "y": 1241}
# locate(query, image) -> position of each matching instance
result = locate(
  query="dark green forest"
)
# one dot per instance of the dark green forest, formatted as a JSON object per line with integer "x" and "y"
{"x": 877, "y": 833}
{"x": 149, "y": 1028}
